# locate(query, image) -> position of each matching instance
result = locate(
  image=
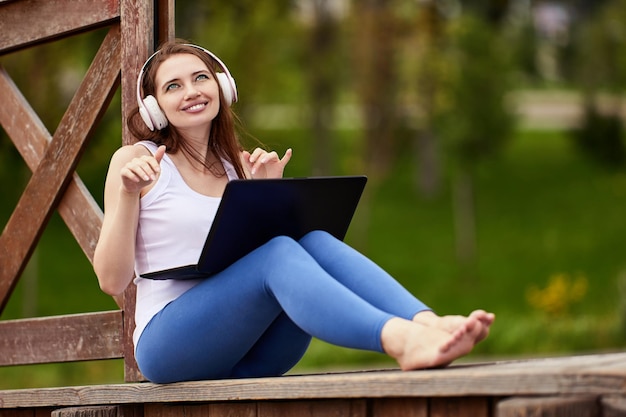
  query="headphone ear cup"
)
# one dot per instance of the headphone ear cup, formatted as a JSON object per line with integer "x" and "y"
{"x": 152, "y": 114}
{"x": 227, "y": 85}
{"x": 143, "y": 112}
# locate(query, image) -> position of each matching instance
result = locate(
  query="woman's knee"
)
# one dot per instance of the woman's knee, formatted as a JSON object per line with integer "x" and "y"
{"x": 316, "y": 236}
{"x": 280, "y": 246}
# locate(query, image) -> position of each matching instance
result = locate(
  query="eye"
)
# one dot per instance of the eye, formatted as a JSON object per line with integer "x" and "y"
{"x": 202, "y": 77}
{"x": 171, "y": 86}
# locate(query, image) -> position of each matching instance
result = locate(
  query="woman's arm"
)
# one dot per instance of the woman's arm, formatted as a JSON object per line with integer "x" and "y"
{"x": 132, "y": 171}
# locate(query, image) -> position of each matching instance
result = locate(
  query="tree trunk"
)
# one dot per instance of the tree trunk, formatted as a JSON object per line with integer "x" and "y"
{"x": 428, "y": 165}
{"x": 464, "y": 217}
{"x": 377, "y": 87}
{"x": 323, "y": 85}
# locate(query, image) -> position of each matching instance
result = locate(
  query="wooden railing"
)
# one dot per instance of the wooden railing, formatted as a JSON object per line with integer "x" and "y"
{"x": 135, "y": 27}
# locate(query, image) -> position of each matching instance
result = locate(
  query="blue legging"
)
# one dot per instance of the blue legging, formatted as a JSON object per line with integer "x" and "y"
{"x": 256, "y": 317}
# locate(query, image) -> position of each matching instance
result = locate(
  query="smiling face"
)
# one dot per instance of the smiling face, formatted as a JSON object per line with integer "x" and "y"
{"x": 187, "y": 92}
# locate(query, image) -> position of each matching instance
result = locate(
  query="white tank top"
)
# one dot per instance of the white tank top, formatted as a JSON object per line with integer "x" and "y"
{"x": 174, "y": 221}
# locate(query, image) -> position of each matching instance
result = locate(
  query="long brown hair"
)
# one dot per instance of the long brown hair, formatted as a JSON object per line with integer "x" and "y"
{"x": 223, "y": 140}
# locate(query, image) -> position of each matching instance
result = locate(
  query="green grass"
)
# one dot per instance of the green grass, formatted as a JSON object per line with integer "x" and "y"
{"x": 541, "y": 209}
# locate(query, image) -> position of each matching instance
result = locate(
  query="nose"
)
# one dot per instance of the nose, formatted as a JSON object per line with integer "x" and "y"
{"x": 191, "y": 92}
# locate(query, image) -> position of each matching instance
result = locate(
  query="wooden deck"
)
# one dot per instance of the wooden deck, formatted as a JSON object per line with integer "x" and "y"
{"x": 592, "y": 385}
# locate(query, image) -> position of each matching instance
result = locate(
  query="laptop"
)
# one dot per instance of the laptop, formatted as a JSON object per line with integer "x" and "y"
{"x": 252, "y": 212}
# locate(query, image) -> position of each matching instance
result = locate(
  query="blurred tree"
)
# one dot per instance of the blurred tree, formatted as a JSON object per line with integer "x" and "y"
{"x": 472, "y": 118}
{"x": 324, "y": 80}
{"x": 429, "y": 29}
{"x": 257, "y": 40}
{"x": 601, "y": 75}
{"x": 494, "y": 11}
{"x": 429, "y": 33}
{"x": 375, "y": 35}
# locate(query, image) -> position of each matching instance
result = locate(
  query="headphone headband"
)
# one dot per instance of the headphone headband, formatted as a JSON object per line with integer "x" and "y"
{"x": 149, "y": 109}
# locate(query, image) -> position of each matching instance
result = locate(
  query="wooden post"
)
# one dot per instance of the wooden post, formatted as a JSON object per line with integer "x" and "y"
{"x": 141, "y": 35}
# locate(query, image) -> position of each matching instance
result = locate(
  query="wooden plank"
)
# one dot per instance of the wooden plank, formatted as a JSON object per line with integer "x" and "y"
{"x": 78, "y": 209}
{"x": 230, "y": 409}
{"x": 97, "y": 411}
{"x": 614, "y": 406}
{"x": 400, "y": 407}
{"x": 578, "y": 406}
{"x": 92, "y": 411}
{"x": 601, "y": 375}
{"x": 28, "y": 22}
{"x": 318, "y": 408}
{"x": 48, "y": 182}
{"x": 17, "y": 413}
{"x": 28, "y": 412}
{"x": 460, "y": 407}
{"x": 61, "y": 339}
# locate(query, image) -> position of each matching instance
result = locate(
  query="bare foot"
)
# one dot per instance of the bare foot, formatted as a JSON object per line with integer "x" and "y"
{"x": 452, "y": 322}
{"x": 417, "y": 346}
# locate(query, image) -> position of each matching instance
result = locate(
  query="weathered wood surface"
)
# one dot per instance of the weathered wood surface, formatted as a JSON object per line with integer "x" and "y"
{"x": 379, "y": 407}
{"x": 602, "y": 375}
{"x": 138, "y": 42}
{"x": 95, "y": 411}
{"x": 58, "y": 163}
{"x": 78, "y": 337}
{"x": 357, "y": 407}
{"x": 29, "y": 22}
{"x": 614, "y": 406}
{"x": 78, "y": 208}
{"x": 562, "y": 406}
{"x": 26, "y": 412}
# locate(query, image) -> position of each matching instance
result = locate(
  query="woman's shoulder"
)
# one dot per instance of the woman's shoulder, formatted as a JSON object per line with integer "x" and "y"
{"x": 128, "y": 152}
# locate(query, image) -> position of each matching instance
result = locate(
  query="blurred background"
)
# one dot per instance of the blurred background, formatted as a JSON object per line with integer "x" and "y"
{"x": 492, "y": 133}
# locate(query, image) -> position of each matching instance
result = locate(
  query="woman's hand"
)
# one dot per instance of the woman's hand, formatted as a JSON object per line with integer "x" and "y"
{"x": 263, "y": 164}
{"x": 142, "y": 171}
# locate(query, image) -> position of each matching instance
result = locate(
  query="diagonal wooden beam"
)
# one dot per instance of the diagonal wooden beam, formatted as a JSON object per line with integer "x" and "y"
{"x": 78, "y": 209}
{"x": 49, "y": 180}
{"x": 28, "y": 22}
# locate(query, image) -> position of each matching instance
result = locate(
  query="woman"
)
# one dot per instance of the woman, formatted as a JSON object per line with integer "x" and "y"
{"x": 256, "y": 317}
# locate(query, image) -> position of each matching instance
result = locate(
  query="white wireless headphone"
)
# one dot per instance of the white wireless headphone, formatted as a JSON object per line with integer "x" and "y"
{"x": 149, "y": 109}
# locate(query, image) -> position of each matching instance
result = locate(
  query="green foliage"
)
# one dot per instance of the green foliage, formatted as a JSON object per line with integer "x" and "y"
{"x": 601, "y": 49}
{"x": 601, "y": 138}
{"x": 600, "y": 61}
{"x": 259, "y": 41}
{"x": 472, "y": 116}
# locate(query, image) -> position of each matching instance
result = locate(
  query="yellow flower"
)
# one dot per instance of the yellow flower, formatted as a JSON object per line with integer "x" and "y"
{"x": 559, "y": 294}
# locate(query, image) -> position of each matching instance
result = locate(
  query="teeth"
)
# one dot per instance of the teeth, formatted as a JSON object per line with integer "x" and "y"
{"x": 195, "y": 107}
